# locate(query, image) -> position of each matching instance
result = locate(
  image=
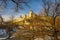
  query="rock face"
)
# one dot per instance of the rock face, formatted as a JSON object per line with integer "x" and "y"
{"x": 38, "y": 39}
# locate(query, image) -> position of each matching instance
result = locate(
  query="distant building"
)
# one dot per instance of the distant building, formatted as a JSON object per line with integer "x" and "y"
{"x": 32, "y": 14}
{"x": 29, "y": 16}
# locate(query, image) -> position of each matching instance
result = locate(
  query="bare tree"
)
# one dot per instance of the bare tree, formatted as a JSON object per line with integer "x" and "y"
{"x": 47, "y": 5}
{"x": 1, "y": 19}
{"x": 18, "y": 3}
{"x": 55, "y": 14}
{"x": 11, "y": 18}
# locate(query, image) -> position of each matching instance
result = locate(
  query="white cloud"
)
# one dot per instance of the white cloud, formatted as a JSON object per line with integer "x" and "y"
{"x": 6, "y": 17}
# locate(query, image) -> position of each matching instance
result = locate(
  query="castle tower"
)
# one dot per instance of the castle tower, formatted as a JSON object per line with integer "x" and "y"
{"x": 25, "y": 16}
{"x": 31, "y": 13}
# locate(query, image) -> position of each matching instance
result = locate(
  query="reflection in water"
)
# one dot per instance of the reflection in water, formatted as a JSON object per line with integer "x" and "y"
{"x": 3, "y": 34}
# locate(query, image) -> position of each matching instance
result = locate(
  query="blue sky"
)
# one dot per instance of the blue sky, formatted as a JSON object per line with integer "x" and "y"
{"x": 35, "y": 5}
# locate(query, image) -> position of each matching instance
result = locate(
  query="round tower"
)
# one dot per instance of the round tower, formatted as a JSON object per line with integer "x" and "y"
{"x": 31, "y": 13}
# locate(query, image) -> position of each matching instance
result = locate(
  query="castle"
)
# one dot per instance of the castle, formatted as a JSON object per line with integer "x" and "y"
{"x": 30, "y": 15}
